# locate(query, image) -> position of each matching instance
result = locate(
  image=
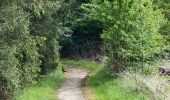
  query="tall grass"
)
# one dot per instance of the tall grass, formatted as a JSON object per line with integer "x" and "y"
{"x": 154, "y": 85}
{"x": 45, "y": 89}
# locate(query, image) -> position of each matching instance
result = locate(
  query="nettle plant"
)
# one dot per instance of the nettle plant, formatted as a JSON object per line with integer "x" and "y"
{"x": 131, "y": 31}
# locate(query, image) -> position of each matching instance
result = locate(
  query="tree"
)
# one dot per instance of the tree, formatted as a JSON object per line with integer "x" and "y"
{"x": 45, "y": 22}
{"x": 29, "y": 33}
{"x": 131, "y": 31}
{"x": 165, "y": 30}
{"x": 19, "y": 54}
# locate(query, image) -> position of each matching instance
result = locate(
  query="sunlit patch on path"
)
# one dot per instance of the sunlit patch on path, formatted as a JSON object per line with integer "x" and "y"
{"x": 71, "y": 88}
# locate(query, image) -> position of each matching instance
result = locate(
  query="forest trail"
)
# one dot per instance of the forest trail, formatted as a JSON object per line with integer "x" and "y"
{"x": 71, "y": 88}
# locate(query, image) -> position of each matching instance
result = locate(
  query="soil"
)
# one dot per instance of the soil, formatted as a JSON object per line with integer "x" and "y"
{"x": 71, "y": 89}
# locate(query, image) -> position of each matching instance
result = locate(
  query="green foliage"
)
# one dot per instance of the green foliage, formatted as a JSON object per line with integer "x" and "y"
{"x": 19, "y": 54}
{"x": 29, "y": 33}
{"x": 165, "y": 5}
{"x": 131, "y": 31}
{"x": 85, "y": 41}
{"x": 45, "y": 22}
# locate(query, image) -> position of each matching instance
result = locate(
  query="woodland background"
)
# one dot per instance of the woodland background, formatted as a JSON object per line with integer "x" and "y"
{"x": 35, "y": 34}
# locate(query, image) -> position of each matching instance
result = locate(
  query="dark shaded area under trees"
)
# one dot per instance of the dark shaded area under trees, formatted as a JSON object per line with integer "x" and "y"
{"x": 84, "y": 38}
{"x": 85, "y": 41}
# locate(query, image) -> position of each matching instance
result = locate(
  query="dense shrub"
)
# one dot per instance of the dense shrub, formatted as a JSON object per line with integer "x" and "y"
{"x": 29, "y": 32}
{"x": 46, "y": 23}
{"x": 19, "y": 53}
{"x": 131, "y": 31}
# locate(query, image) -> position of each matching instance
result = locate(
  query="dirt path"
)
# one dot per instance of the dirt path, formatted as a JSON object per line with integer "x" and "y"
{"x": 71, "y": 88}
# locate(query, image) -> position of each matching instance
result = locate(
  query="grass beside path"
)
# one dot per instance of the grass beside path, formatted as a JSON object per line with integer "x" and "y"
{"x": 45, "y": 89}
{"x": 90, "y": 65}
{"x": 104, "y": 87}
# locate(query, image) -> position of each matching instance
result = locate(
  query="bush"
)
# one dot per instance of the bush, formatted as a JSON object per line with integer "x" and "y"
{"x": 29, "y": 32}
{"x": 18, "y": 53}
{"x": 45, "y": 22}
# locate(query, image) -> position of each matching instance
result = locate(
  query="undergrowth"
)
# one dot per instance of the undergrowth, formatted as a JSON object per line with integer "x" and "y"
{"x": 45, "y": 88}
